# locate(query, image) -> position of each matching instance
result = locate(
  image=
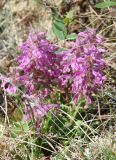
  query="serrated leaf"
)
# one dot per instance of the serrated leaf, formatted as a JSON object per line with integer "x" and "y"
{"x": 105, "y": 4}
{"x": 72, "y": 36}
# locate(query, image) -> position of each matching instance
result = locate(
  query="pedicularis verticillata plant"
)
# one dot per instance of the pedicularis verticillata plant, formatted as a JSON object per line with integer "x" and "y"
{"x": 40, "y": 71}
{"x": 83, "y": 65}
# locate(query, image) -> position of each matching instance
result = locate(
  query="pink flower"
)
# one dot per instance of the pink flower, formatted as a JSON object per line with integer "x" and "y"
{"x": 7, "y": 85}
{"x": 11, "y": 89}
{"x": 84, "y": 63}
{"x": 38, "y": 112}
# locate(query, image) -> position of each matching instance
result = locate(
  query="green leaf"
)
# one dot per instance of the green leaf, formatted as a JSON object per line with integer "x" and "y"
{"x": 59, "y": 28}
{"x": 79, "y": 123}
{"x": 60, "y": 25}
{"x": 105, "y": 4}
{"x": 72, "y": 36}
{"x": 70, "y": 15}
{"x": 19, "y": 128}
{"x": 58, "y": 33}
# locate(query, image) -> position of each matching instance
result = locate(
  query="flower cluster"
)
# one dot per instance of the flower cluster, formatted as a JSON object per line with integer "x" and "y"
{"x": 38, "y": 112}
{"x": 40, "y": 70}
{"x": 7, "y": 84}
{"x": 83, "y": 65}
{"x": 38, "y": 65}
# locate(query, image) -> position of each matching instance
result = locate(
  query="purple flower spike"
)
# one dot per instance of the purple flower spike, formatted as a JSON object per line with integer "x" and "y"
{"x": 84, "y": 63}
